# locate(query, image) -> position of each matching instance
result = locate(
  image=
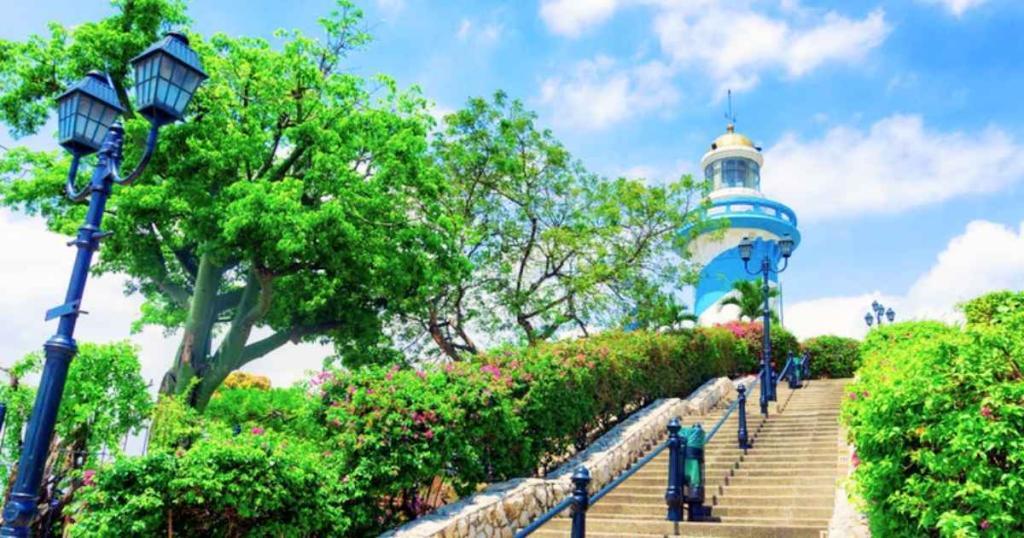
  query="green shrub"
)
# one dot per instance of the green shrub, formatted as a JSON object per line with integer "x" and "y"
{"x": 390, "y": 433}
{"x": 937, "y": 416}
{"x": 993, "y": 308}
{"x": 751, "y": 334}
{"x": 253, "y": 484}
{"x": 832, "y": 356}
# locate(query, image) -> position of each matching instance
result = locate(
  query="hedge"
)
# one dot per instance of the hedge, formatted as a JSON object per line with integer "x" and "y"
{"x": 937, "y": 418}
{"x": 784, "y": 344}
{"x": 383, "y": 435}
{"x": 832, "y": 356}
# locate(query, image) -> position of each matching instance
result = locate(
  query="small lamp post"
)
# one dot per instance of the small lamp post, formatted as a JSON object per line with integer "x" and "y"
{"x": 881, "y": 313}
{"x": 166, "y": 76}
{"x": 784, "y": 247}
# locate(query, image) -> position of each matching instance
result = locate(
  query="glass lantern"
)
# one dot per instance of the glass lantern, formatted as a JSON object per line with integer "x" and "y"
{"x": 85, "y": 113}
{"x": 786, "y": 245}
{"x": 166, "y": 76}
{"x": 746, "y": 249}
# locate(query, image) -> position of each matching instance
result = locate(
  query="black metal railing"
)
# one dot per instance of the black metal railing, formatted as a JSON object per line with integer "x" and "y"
{"x": 686, "y": 477}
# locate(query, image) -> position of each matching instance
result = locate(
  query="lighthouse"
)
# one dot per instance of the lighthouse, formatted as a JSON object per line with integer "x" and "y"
{"x": 738, "y": 209}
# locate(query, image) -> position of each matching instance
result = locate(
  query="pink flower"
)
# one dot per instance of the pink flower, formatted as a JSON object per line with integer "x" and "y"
{"x": 449, "y": 368}
{"x": 335, "y": 422}
{"x": 985, "y": 524}
{"x": 351, "y": 390}
{"x": 88, "y": 477}
{"x": 421, "y": 374}
{"x": 864, "y": 394}
{"x": 856, "y": 460}
{"x": 257, "y": 431}
{"x": 986, "y": 411}
{"x": 429, "y": 434}
{"x": 853, "y": 395}
{"x": 491, "y": 369}
{"x": 369, "y": 391}
{"x": 390, "y": 376}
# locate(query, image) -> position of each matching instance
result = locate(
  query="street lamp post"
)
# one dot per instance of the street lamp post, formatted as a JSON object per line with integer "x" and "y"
{"x": 880, "y": 313}
{"x": 784, "y": 247}
{"x": 166, "y": 76}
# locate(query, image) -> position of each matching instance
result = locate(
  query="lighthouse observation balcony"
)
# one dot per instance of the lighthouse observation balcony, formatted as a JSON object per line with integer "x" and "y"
{"x": 753, "y": 212}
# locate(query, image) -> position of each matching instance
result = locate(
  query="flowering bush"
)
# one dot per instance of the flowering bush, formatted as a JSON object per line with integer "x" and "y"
{"x": 365, "y": 445}
{"x": 784, "y": 344}
{"x": 937, "y": 416}
{"x": 832, "y": 356}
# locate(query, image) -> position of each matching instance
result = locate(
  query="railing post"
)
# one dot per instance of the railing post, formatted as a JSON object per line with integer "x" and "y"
{"x": 742, "y": 434}
{"x": 674, "y": 493}
{"x": 580, "y": 502}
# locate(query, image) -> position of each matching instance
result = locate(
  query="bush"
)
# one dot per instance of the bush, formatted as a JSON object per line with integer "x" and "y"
{"x": 832, "y": 356}
{"x": 255, "y": 484}
{"x": 937, "y": 416}
{"x": 388, "y": 434}
{"x": 784, "y": 344}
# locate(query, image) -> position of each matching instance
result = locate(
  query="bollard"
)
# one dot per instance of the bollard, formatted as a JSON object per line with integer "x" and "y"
{"x": 693, "y": 462}
{"x": 3, "y": 416}
{"x": 742, "y": 434}
{"x": 796, "y": 376}
{"x": 580, "y": 502}
{"x": 674, "y": 493}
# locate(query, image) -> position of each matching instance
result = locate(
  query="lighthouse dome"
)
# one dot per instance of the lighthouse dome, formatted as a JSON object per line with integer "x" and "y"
{"x": 731, "y": 139}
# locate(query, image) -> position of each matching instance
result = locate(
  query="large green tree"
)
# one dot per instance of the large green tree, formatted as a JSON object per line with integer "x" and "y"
{"x": 296, "y": 203}
{"x": 551, "y": 245}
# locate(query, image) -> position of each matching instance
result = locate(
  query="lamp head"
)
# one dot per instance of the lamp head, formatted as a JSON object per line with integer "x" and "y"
{"x": 786, "y": 245}
{"x": 85, "y": 113}
{"x": 890, "y": 315}
{"x": 167, "y": 75}
{"x": 869, "y": 319}
{"x": 746, "y": 249}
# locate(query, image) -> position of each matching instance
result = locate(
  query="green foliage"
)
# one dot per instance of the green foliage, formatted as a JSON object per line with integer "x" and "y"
{"x": 937, "y": 416}
{"x": 385, "y": 434}
{"x": 832, "y": 356}
{"x": 993, "y": 308}
{"x": 784, "y": 344}
{"x": 253, "y": 484}
{"x": 749, "y": 298}
{"x": 297, "y": 197}
{"x": 549, "y": 245}
{"x": 104, "y": 399}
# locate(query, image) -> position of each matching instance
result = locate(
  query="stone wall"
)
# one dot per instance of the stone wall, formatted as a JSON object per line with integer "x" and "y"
{"x": 506, "y": 506}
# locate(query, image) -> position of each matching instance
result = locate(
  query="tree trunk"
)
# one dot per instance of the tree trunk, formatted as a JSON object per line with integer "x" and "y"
{"x": 193, "y": 358}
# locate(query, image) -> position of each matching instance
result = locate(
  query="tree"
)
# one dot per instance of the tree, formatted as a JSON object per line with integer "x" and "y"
{"x": 297, "y": 200}
{"x": 105, "y": 399}
{"x": 749, "y": 297}
{"x": 550, "y": 245}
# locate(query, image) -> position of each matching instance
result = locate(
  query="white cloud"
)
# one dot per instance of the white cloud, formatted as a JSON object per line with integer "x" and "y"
{"x": 479, "y": 34}
{"x": 957, "y": 7}
{"x": 734, "y": 44}
{"x": 37, "y": 270}
{"x": 966, "y": 268}
{"x": 895, "y": 165}
{"x": 571, "y": 17}
{"x": 598, "y": 93}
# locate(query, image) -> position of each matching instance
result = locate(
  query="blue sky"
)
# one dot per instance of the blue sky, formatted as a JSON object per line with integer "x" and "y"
{"x": 892, "y": 128}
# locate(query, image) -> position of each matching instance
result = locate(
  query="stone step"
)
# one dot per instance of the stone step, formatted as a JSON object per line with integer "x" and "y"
{"x": 634, "y": 510}
{"x": 626, "y": 528}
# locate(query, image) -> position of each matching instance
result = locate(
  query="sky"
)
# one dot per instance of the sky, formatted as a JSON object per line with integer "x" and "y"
{"x": 891, "y": 128}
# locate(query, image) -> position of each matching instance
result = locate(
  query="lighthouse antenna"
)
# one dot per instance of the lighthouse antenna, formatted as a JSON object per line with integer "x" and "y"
{"x": 729, "y": 115}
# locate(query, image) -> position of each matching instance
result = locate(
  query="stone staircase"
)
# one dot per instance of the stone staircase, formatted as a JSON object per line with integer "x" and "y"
{"x": 784, "y": 486}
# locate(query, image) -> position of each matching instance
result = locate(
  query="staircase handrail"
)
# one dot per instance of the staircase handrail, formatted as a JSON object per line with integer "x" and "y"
{"x": 545, "y": 517}
{"x": 732, "y": 407}
{"x": 786, "y": 369}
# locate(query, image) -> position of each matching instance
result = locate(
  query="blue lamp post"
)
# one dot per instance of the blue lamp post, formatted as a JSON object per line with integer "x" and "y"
{"x": 880, "y": 313}
{"x": 783, "y": 247}
{"x": 166, "y": 76}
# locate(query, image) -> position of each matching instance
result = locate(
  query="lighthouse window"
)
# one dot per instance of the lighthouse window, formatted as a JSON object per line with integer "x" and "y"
{"x": 734, "y": 172}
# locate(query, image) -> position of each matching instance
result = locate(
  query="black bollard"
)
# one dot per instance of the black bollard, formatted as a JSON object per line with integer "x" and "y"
{"x": 742, "y": 434}
{"x": 580, "y": 502}
{"x": 674, "y": 493}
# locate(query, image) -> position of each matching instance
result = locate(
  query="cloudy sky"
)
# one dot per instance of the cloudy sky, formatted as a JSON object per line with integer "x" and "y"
{"x": 892, "y": 128}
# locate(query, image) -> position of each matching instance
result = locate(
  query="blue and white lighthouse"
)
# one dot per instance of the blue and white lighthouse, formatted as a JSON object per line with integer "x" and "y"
{"x": 733, "y": 166}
